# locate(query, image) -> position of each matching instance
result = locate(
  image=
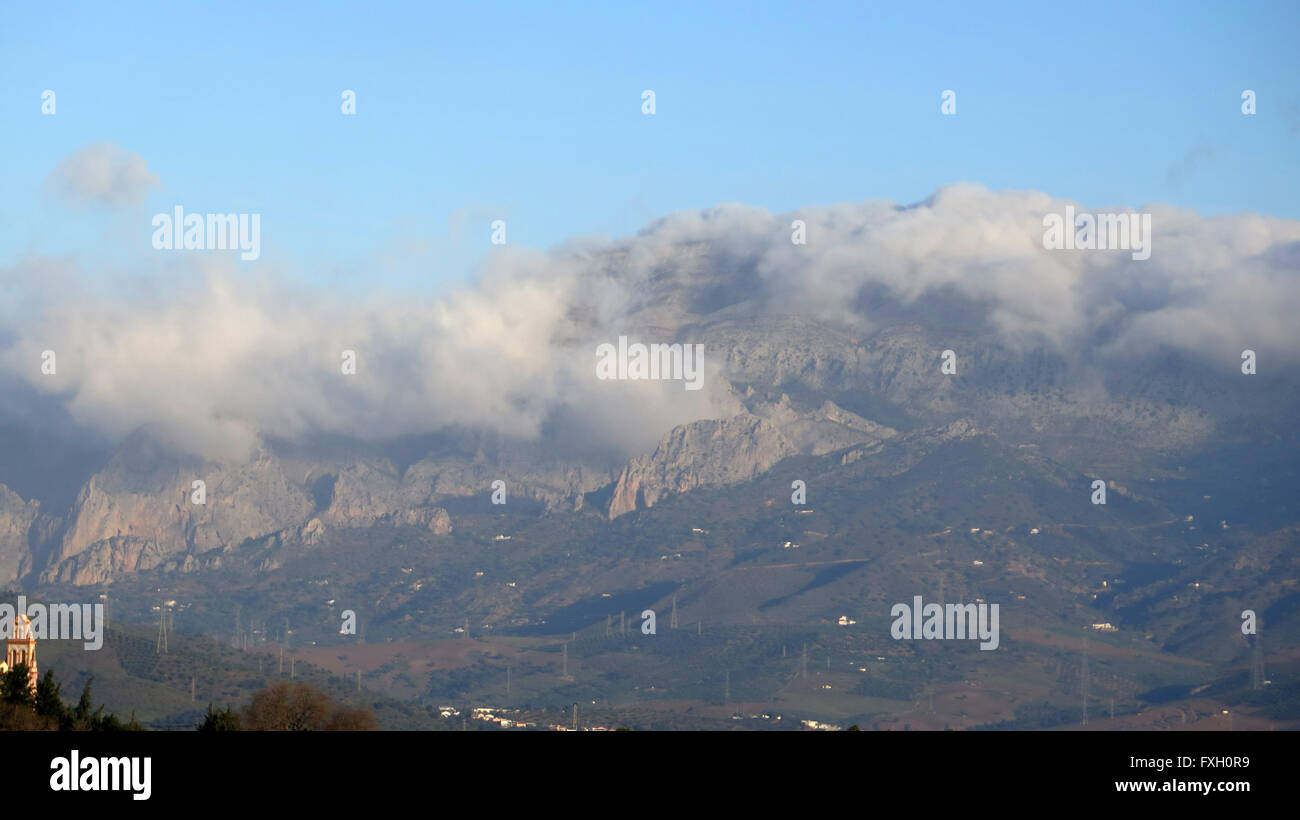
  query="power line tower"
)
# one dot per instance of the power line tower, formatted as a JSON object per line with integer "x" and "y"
{"x": 672, "y": 621}
{"x": 1083, "y": 675}
{"x": 726, "y": 687}
{"x": 239, "y": 633}
{"x": 803, "y": 665}
{"x": 1257, "y": 662}
{"x": 565, "y": 673}
{"x": 607, "y": 617}
{"x": 161, "y": 645}
{"x": 622, "y": 623}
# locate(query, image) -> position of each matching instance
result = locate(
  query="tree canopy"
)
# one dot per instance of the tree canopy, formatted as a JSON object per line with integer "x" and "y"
{"x": 290, "y": 707}
{"x": 21, "y": 710}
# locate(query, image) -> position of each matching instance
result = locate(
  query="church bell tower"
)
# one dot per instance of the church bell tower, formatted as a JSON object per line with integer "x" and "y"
{"x": 21, "y": 648}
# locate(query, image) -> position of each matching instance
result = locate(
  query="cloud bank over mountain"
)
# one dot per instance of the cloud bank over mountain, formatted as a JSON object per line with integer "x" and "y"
{"x": 222, "y": 354}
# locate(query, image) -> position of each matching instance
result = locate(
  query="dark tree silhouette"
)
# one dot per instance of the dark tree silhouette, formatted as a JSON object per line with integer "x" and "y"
{"x": 299, "y": 707}
{"x": 219, "y": 721}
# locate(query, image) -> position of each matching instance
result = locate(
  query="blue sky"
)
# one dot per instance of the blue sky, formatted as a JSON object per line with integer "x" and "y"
{"x": 532, "y": 113}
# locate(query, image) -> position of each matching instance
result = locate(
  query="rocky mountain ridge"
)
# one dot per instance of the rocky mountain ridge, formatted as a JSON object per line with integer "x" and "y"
{"x": 784, "y": 384}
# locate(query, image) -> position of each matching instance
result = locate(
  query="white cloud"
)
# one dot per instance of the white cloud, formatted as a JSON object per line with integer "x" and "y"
{"x": 103, "y": 174}
{"x": 210, "y": 357}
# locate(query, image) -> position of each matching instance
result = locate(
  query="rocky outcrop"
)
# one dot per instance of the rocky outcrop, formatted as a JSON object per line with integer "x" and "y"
{"x": 139, "y": 511}
{"x": 103, "y": 560}
{"x": 367, "y": 494}
{"x": 717, "y": 453}
{"x": 17, "y": 518}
